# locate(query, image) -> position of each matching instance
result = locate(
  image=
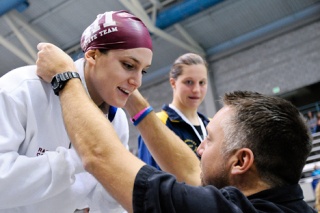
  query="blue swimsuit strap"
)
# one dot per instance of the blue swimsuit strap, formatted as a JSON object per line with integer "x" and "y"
{"x": 112, "y": 113}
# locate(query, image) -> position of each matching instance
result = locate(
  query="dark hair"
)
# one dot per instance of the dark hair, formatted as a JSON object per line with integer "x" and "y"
{"x": 103, "y": 51}
{"x": 274, "y": 130}
{"x": 186, "y": 59}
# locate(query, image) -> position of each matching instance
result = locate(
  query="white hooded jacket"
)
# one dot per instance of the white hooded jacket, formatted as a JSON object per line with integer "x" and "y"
{"x": 38, "y": 171}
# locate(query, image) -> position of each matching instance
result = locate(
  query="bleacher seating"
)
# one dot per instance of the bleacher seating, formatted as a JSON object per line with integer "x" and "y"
{"x": 314, "y": 155}
{"x": 312, "y": 160}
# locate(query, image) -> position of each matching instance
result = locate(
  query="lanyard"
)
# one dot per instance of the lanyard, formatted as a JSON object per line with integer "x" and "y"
{"x": 203, "y": 129}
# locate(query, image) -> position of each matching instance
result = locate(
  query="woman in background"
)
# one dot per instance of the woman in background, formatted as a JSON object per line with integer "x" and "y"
{"x": 188, "y": 79}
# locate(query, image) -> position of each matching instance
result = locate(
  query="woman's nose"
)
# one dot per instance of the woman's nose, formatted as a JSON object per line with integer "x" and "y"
{"x": 136, "y": 80}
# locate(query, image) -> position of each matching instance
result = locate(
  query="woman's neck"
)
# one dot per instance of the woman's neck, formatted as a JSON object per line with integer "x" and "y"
{"x": 91, "y": 90}
{"x": 190, "y": 114}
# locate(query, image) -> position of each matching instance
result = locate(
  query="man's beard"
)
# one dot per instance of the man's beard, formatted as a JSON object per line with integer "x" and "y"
{"x": 219, "y": 181}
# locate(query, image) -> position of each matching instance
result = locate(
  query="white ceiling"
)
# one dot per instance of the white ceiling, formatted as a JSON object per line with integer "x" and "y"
{"x": 225, "y": 27}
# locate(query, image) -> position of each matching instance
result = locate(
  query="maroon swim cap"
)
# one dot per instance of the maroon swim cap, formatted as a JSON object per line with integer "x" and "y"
{"x": 116, "y": 30}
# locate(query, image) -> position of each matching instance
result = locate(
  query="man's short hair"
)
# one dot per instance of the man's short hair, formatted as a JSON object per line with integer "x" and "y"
{"x": 274, "y": 130}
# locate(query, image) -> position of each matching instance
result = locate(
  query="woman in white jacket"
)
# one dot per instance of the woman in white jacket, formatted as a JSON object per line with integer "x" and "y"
{"x": 39, "y": 170}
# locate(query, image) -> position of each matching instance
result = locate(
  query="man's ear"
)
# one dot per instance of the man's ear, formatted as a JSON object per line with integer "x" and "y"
{"x": 90, "y": 56}
{"x": 242, "y": 161}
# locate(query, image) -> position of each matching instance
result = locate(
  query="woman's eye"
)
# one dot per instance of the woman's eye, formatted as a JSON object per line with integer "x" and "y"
{"x": 144, "y": 72}
{"x": 202, "y": 83}
{"x": 128, "y": 66}
{"x": 189, "y": 82}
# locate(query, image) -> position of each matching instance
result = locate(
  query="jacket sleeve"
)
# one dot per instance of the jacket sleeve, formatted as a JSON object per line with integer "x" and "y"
{"x": 27, "y": 180}
{"x": 143, "y": 151}
{"x": 157, "y": 191}
{"x": 145, "y": 155}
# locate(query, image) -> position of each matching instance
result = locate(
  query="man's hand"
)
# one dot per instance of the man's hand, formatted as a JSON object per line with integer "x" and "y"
{"x": 51, "y": 61}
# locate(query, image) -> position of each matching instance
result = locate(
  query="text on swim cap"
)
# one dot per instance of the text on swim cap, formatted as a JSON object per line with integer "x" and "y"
{"x": 95, "y": 27}
{"x": 101, "y": 33}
